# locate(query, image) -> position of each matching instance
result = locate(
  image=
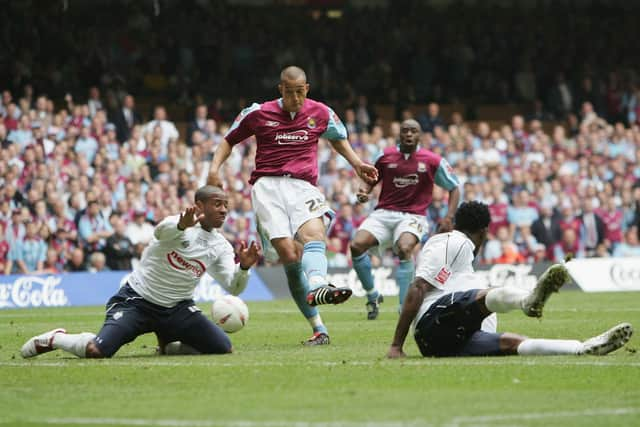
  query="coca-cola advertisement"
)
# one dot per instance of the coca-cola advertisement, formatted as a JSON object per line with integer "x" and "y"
{"x": 83, "y": 289}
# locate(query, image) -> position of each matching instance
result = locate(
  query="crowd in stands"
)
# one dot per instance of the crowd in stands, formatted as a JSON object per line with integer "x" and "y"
{"x": 81, "y": 185}
{"x": 559, "y": 53}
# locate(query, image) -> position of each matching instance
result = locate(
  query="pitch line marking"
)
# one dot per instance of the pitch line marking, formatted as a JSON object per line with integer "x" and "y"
{"x": 192, "y": 361}
{"x": 455, "y": 422}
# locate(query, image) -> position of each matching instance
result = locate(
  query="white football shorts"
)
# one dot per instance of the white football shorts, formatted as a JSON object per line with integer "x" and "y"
{"x": 282, "y": 205}
{"x": 387, "y": 226}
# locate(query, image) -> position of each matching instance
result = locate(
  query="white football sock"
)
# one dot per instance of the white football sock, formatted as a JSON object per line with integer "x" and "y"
{"x": 504, "y": 299}
{"x": 315, "y": 321}
{"x": 544, "y": 347}
{"x": 316, "y": 281}
{"x": 73, "y": 343}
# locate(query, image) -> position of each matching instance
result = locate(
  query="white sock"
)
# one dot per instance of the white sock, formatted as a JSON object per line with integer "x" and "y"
{"x": 316, "y": 281}
{"x": 544, "y": 347}
{"x": 504, "y": 299}
{"x": 73, "y": 343}
{"x": 315, "y": 321}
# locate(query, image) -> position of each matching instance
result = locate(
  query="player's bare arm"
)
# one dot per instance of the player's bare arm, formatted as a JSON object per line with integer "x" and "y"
{"x": 221, "y": 155}
{"x": 410, "y": 308}
{"x": 248, "y": 256}
{"x": 368, "y": 173}
{"x": 446, "y": 224}
{"x": 189, "y": 218}
{"x": 363, "y": 192}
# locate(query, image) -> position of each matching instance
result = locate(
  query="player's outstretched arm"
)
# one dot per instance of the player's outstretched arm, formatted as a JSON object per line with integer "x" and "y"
{"x": 220, "y": 156}
{"x": 368, "y": 173}
{"x": 410, "y": 309}
{"x": 446, "y": 224}
{"x": 171, "y": 227}
{"x": 188, "y": 218}
{"x": 231, "y": 276}
{"x": 248, "y": 256}
{"x": 363, "y": 193}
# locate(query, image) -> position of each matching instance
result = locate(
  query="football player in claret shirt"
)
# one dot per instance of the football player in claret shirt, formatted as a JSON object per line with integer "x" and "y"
{"x": 448, "y": 305}
{"x": 158, "y": 294}
{"x": 292, "y": 214}
{"x": 407, "y": 174}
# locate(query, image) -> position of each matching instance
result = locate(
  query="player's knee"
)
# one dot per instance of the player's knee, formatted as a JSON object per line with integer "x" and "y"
{"x": 405, "y": 251}
{"x": 509, "y": 343}
{"x": 93, "y": 352}
{"x": 288, "y": 256}
{"x": 221, "y": 347}
{"x": 357, "y": 248}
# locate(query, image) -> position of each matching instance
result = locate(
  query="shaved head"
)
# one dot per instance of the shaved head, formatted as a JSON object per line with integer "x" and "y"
{"x": 411, "y": 123}
{"x": 208, "y": 192}
{"x": 293, "y": 73}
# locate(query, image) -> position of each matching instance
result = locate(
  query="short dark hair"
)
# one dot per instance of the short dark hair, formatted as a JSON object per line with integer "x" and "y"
{"x": 208, "y": 191}
{"x": 472, "y": 216}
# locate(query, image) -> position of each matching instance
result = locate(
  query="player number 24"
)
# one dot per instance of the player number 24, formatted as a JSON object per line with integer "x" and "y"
{"x": 315, "y": 204}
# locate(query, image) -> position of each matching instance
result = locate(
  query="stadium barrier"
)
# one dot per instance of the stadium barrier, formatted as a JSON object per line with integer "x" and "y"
{"x": 267, "y": 283}
{"x": 606, "y": 274}
{"x": 81, "y": 289}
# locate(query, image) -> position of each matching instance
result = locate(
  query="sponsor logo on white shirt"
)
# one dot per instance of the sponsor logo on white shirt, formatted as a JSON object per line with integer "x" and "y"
{"x": 287, "y": 138}
{"x": 443, "y": 275}
{"x": 176, "y": 261}
{"x": 405, "y": 181}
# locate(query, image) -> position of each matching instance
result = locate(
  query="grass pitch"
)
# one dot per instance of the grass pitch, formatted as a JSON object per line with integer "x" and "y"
{"x": 273, "y": 381}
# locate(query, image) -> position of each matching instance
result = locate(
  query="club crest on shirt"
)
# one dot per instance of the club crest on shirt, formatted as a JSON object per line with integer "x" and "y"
{"x": 184, "y": 244}
{"x": 272, "y": 124}
{"x": 422, "y": 167}
{"x": 311, "y": 123}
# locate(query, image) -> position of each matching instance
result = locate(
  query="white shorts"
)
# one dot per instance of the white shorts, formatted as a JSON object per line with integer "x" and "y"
{"x": 387, "y": 226}
{"x": 282, "y": 205}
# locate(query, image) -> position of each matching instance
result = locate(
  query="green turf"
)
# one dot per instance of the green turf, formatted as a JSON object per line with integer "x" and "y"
{"x": 271, "y": 380}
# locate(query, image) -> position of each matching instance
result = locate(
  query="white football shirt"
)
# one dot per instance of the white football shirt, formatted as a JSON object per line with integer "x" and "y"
{"x": 446, "y": 262}
{"x": 175, "y": 260}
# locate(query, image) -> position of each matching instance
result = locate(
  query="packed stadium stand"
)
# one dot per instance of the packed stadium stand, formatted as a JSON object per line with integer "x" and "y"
{"x": 109, "y": 124}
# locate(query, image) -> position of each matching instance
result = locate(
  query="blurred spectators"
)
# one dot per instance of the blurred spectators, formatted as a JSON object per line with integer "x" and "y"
{"x": 97, "y": 262}
{"x": 630, "y": 247}
{"x": 76, "y": 262}
{"x": 119, "y": 248}
{"x": 139, "y": 231}
{"x": 88, "y": 177}
{"x": 528, "y": 53}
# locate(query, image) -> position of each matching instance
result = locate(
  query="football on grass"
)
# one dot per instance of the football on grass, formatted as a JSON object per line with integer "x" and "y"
{"x": 230, "y": 313}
